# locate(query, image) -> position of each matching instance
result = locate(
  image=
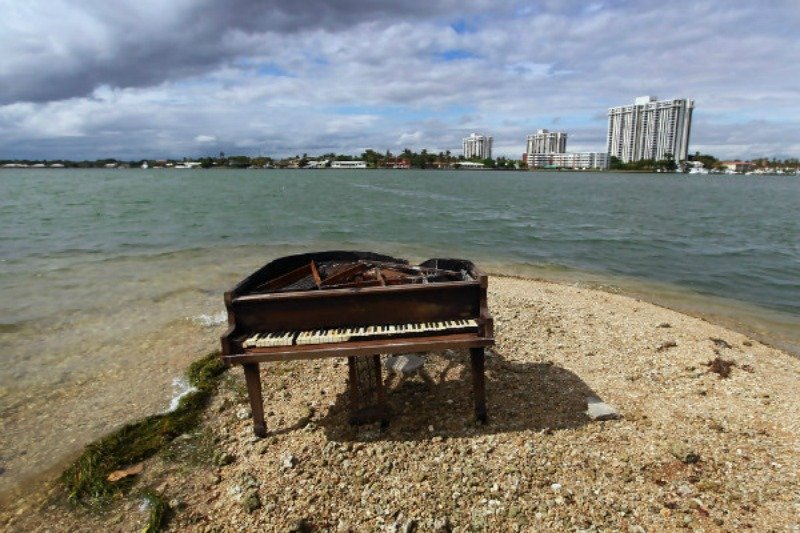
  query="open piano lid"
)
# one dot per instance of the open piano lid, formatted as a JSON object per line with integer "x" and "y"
{"x": 350, "y": 269}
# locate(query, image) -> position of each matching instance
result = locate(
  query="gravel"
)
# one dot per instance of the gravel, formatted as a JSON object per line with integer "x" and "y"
{"x": 690, "y": 450}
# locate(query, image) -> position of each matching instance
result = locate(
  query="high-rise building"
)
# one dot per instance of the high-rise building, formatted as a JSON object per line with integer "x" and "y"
{"x": 479, "y": 146}
{"x": 650, "y": 129}
{"x": 547, "y": 142}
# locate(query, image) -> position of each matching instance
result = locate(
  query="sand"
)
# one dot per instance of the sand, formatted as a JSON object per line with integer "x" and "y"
{"x": 690, "y": 449}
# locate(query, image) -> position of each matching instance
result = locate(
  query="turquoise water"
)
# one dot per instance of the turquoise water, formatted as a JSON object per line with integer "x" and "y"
{"x": 112, "y": 280}
{"x": 735, "y": 237}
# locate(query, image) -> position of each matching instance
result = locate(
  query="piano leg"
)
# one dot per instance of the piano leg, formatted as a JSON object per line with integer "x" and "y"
{"x": 478, "y": 383}
{"x": 367, "y": 391}
{"x": 253, "y": 378}
{"x": 384, "y": 413}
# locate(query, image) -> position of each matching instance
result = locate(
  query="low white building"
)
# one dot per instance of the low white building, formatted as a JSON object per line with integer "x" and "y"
{"x": 470, "y": 165}
{"x": 349, "y": 164}
{"x": 573, "y": 160}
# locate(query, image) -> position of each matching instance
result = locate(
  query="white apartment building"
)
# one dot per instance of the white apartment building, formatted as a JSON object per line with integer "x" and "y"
{"x": 650, "y": 129}
{"x": 547, "y": 142}
{"x": 479, "y": 146}
{"x": 574, "y": 160}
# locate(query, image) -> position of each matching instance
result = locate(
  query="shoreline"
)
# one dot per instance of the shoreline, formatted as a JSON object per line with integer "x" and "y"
{"x": 538, "y": 321}
{"x": 729, "y": 315}
{"x": 636, "y": 290}
{"x": 739, "y": 318}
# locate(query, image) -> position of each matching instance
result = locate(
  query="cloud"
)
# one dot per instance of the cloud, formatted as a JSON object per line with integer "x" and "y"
{"x": 147, "y": 79}
{"x": 56, "y": 49}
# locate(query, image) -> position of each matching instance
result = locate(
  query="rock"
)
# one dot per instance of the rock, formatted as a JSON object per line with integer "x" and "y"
{"x": 442, "y": 525}
{"x": 177, "y": 504}
{"x": 514, "y": 511}
{"x": 243, "y": 413}
{"x": 720, "y": 343}
{"x": 306, "y": 416}
{"x": 251, "y": 501}
{"x": 249, "y": 481}
{"x": 224, "y": 458}
{"x": 478, "y": 523}
{"x": 597, "y": 409}
{"x": 288, "y": 461}
{"x": 665, "y": 345}
{"x": 409, "y": 527}
{"x": 683, "y": 453}
{"x": 664, "y": 325}
{"x": 301, "y": 526}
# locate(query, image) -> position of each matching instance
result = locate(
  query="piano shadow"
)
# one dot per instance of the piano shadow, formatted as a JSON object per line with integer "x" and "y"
{"x": 519, "y": 396}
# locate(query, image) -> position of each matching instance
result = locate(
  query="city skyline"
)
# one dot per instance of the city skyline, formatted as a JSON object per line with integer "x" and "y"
{"x": 153, "y": 80}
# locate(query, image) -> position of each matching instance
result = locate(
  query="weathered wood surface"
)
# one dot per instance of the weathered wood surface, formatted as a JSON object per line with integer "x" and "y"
{"x": 250, "y": 310}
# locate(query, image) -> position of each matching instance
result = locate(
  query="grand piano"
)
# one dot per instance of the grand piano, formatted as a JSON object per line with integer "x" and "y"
{"x": 356, "y": 305}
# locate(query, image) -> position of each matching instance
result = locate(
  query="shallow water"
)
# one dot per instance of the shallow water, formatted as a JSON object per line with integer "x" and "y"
{"x": 112, "y": 281}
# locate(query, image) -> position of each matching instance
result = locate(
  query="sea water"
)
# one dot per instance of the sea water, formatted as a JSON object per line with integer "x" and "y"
{"x": 111, "y": 281}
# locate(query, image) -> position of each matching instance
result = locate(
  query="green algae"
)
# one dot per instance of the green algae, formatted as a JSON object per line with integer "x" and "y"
{"x": 158, "y": 511}
{"x": 86, "y": 480}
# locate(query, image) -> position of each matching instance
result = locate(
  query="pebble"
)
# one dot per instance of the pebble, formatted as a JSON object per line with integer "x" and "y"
{"x": 251, "y": 501}
{"x": 288, "y": 461}
{"x": 177, "y": 504}
{"x": 599, "y": 410}
{"x": 683, "y": 453}
{"x": 224, "y": 458}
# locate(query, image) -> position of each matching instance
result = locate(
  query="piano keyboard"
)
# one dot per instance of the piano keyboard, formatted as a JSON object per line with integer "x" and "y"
{"x": 325, "y": 336}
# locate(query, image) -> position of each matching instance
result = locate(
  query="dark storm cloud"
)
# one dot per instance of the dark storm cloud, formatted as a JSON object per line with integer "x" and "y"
{"x": 57, "y": 51}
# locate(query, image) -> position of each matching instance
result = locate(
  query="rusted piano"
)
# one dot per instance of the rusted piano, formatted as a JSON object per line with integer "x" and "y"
{"x": 356, "y": 305}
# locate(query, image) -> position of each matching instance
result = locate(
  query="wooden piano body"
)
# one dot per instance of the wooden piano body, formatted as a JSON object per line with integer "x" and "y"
{"x": 254, "y": 306}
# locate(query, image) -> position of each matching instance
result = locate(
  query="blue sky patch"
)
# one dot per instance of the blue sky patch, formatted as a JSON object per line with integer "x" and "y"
{"x": 456, "y": 54}
{"x": 271, "y": 69}
{"x": 460, "y": 27}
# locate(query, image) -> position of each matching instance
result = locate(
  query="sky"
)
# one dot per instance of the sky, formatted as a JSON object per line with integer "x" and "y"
{"x": 133, "y": 79}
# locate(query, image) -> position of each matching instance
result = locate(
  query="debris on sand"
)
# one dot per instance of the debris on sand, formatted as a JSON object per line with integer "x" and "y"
{"x": 720, "y": 343}
{"x": 599, "y": 410}
{"x": 666, "y": 345}
{"x": 721, "y": 366}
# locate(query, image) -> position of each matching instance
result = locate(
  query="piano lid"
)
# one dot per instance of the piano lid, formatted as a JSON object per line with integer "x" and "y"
{"x": 350, "y": 269}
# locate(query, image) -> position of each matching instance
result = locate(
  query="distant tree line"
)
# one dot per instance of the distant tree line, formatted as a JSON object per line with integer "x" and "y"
{"x": 667, "y": 164}
{"x": 373, "y": 159}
